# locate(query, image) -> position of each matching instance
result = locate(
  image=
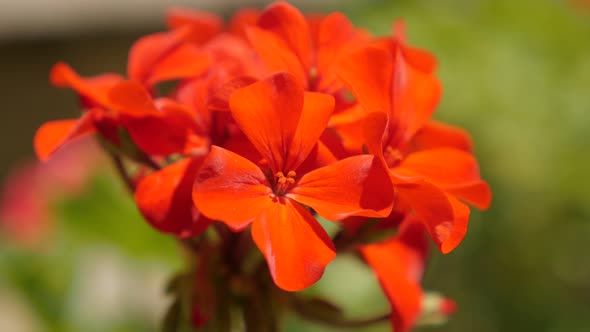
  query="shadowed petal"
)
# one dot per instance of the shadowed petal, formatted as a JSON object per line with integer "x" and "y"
{"x": 158, "y": 128}
{"x": 296, "y": 247}
{"x": 164, "y": 199}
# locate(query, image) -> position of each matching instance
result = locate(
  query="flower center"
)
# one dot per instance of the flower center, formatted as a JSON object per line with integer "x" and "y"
{"x": 283, "y": 183}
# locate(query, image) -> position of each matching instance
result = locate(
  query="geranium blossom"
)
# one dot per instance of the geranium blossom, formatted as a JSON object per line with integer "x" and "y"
{"x": 266, "y": 123}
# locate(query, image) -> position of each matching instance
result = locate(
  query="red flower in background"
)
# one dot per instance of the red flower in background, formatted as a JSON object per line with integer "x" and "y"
{"x": 31, "y": 189}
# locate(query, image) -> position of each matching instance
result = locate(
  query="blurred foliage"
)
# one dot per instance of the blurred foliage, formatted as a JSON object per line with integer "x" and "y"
{"x": 516, "y": 75}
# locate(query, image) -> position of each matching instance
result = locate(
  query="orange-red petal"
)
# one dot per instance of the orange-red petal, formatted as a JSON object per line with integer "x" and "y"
{"x": 148, "y": 51}
{"x": 203, "y": 25}
{"x": 336, "y": 36}
{"x": 399, "y": 266}
{"x": 428, "y": 201}
{"x": 414, "y": 98}
{"x": 231, "y": 189}
{"x": 296, "y": 247}
{"x": 268, "y": 112}
{"x": 160, "y": 128}
{"x": 185, "y": 61}
{"x": 454, "y": 170}
{"x": 287, "y": 22}
{"x": 93, "y": 90}
{"x": 436, "y": 134}
{"x": 53, "y": 135}
{"x": 275, "y": 54}
{"x": 368, "y": 72}
{"x": 317, "y": 108}
{"x": 358, "y": 186}
{"x": 164, "y": 199}
{"x": 448, "y": 235}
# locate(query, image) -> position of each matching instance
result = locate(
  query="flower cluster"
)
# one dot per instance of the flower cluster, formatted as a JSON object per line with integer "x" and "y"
{"x": 276, "y": 118}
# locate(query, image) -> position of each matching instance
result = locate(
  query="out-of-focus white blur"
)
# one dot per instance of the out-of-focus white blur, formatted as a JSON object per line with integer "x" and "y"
{"x": 50, "y": 18}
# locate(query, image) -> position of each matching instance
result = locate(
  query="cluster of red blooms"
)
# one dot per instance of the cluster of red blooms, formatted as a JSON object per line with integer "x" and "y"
{"x": 274, "y": 119}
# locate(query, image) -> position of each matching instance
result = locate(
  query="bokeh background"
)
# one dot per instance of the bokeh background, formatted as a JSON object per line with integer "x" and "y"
{"x": 516, "y": 74}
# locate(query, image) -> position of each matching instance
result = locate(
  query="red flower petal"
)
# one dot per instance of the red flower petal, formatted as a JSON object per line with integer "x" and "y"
{"x": 415, "y": 96}
{"x": 53, "y": 135}
{"x": 275, "y": 54}
{"x": 203, "y": 25}
{"x": 185, "y": 61}
{"x": 132, "y": 99}
{"x": 335, "y": 37}
{"x": 430, "y": 203}
{"x": 419, "y": 58}
{"x": 458, "y": 173}
{"x": 399, "y": 266}
{"x": 436, "y": 134}
{"x": 145, "y": 54}
{"x": 353, "y": 186}
{"x": 94, "y": 90}
{"x": 164, "y": 199}
{"x": 447, "y": 235}
{"x": 160, "y": 128}
{"x": 477, "y": 193}
{"x": 231, "y": 189}
{"x": 219, "y": 101}
{"x": 287, "y": 22}
{"x": 369, "y": 74}
{"x": 268, "y": 113}
{"x": 296, "y": 247}
{"x": 317, "y": 108}
{"x": 444, "y": 167}
{"x": 241, "y": 20}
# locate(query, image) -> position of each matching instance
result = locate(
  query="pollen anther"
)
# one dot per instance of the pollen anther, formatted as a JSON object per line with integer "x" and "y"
{"x": 283, "y": 183}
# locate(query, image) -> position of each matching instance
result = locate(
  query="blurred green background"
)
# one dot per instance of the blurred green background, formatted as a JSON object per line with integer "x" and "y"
{"x": 516, "y": 74}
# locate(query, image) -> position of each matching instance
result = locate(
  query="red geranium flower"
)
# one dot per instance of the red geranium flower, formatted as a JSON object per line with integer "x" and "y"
{"x": 398, "y": 83}
{"x": 284, "y": 123}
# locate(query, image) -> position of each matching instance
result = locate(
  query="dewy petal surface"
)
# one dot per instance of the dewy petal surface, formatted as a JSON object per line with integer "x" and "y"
{"x": 353, "y": 186}
{"x": 268, "y": 112}
{"x": 230, "y": 188}
{"x": 296, "y": 247}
